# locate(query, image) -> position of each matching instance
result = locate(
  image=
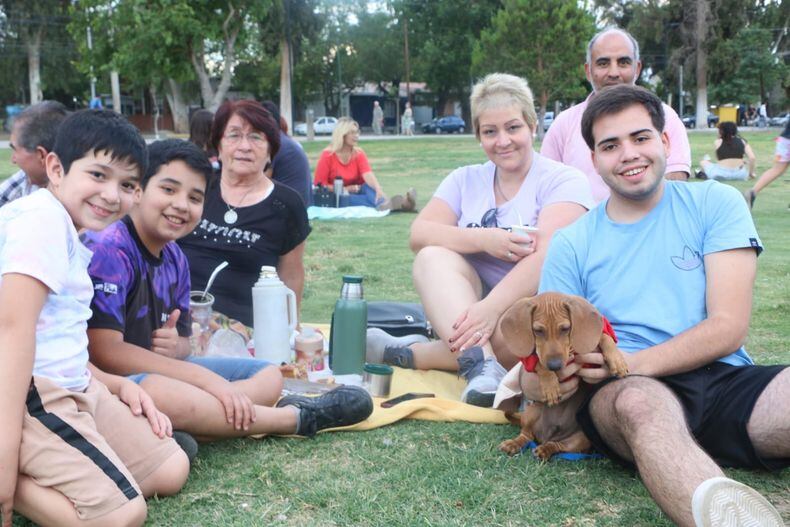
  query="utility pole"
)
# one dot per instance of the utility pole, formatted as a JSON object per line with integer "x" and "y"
{"x": 406, "y": 56}
{"x": 93, "y": 78}
{"x": 680, "y": 90}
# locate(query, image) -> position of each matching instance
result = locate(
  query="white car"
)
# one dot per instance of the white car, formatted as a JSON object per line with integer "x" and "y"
{"x": 548, "y": 118}
{"x": 322, "y": 125}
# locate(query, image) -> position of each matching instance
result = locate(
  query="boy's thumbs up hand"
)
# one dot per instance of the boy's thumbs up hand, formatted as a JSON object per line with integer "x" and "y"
{"x": 172, "y": 319}
{"x": 165, "y": 339}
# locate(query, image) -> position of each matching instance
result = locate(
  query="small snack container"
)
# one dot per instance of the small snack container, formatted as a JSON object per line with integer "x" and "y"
{"x": 376, "y": 379}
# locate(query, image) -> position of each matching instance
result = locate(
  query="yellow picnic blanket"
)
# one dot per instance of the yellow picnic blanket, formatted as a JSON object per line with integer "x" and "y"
{"x": 446, "y": 406}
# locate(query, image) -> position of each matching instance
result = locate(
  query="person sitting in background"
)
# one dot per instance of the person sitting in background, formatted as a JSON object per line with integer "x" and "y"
{"x": 730, "y": 151}
{"x": 32, "y": 138}
{"x": 781, "y": 162}
{"x": 469, "y": 266}
{"x": 290, "y": 165}
{"x": 344, "y": 159}
{"x": 248, "y": 219}
{"x": 200, "y": 134}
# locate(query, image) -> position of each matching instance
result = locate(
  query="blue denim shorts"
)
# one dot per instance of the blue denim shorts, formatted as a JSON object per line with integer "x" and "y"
{"x": 229, "y": 368}
{"x": 720, "y": 173}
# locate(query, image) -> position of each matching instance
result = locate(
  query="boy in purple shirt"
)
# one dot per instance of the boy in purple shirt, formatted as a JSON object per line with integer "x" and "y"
{"x": 141, "y": 312}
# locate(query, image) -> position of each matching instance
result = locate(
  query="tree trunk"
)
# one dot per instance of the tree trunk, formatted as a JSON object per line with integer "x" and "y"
{"x": 701, "y": 30}
{"x": 155, "y": 104}
{"x": 206, "y": 91}
{"x": 286, "y": 111}
{"x": 544, "y": 101}
{"x": 34, "y": 65}
{"x": 178, "y": 107}
{"x": 115, "y": 83}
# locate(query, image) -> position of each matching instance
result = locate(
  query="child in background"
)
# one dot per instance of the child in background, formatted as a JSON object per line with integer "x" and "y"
{"x": 71, "y": 452}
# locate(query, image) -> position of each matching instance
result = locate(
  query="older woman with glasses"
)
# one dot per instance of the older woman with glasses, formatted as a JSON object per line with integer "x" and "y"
{"x": 470, "y": 264}
{"x": 248, "y": 219}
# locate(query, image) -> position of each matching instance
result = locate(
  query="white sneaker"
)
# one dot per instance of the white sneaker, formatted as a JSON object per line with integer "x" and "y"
{"x": 723, "y": 502}
{"x": 481, "y": 387}
{"x": 378, "y": 340}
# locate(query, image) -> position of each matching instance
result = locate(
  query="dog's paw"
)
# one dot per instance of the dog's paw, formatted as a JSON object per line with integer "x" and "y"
{"x": 546, "y": 450}
{"x": 552, "y": 394}
{"x": 618, "y": 367}
{"x": 510, "y": 447}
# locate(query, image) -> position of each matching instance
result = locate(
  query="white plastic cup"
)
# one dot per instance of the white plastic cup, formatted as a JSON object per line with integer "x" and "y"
{"x": 525, "y": 230}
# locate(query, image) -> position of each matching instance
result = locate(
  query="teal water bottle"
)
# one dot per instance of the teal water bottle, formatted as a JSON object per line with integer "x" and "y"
{"x": 347, "y": 336}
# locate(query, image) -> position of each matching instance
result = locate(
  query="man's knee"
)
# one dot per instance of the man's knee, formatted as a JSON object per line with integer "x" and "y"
{"x": 634, "y": 402}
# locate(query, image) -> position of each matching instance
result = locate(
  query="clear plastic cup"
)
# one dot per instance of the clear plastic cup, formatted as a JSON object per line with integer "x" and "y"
{"x": 200, "y": 308}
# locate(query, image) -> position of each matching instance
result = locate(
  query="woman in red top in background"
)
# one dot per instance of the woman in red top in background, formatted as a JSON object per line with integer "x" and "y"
{"x": 345, "y": 159}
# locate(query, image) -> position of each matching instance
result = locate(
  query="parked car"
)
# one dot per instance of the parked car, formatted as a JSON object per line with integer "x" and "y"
{"x": 322, "y": 125}
{"x": 779, "y": 120}
{"x": 448, "y": 124}
{"x": 691, "y": 120}
{"x": 11, "y": 111}
{"x": 548, "y": 118}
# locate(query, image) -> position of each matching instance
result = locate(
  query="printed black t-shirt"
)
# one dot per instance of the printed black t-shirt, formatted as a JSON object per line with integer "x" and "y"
{"x": 263, "y": 232}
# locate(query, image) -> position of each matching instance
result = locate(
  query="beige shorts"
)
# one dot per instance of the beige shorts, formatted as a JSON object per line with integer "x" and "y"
{"x": 88, "y": 446}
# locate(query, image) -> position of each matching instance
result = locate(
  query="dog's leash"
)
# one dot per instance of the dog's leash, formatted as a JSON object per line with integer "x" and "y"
{"x": 568, "y": 456}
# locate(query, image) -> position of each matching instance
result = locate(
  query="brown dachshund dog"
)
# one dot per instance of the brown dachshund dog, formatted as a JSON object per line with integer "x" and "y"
{"x": 556, "y": 327}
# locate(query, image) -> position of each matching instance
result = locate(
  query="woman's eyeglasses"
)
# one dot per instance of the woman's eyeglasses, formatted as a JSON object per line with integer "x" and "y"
{"x": 488, "y": 220}
{"x": 254, "y": 138}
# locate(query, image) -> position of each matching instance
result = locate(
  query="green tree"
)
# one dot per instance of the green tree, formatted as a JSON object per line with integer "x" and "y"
{"x": 28, "y": 24}
{"x": 746, "y": 67}
{"x": 442, "y": 37}
{"x": 146, "y": 41}
{"x": 541, "y": 41}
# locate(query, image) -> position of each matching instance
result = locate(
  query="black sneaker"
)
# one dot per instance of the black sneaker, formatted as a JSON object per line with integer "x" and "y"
{"x": 187, "y": 444}
{"x": 343, "y": 406}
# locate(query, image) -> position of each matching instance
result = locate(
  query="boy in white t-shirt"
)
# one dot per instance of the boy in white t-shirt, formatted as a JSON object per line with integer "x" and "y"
{"x": 72, "y": 453}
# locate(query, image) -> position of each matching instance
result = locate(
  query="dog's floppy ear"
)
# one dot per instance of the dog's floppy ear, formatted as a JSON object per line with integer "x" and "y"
{"x": 586, "y": 324}
{"x": 516, "y": 326}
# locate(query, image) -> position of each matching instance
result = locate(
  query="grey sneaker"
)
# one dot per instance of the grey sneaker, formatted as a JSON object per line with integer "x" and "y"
{"x": 379, "y": 340}
{"x": 723, "y": 502}
{"x": 343, "y": 406}
{"x": 482, "y": 375}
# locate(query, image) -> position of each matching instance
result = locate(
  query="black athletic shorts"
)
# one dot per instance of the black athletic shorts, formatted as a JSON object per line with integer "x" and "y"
{"x": 718, "y": 400}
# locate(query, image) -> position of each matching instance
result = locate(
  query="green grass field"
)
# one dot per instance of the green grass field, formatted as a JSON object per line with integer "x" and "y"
{"x": 444, "y": 474}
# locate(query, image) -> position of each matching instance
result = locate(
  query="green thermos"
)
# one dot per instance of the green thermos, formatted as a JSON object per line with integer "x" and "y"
{"x": 347, "y": 337}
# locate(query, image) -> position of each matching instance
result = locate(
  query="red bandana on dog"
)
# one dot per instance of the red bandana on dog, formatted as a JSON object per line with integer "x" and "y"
{"x": 531, "y": 361}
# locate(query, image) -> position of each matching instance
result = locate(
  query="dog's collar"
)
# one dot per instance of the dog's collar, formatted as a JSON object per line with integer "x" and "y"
{"x": 531, "y": 361}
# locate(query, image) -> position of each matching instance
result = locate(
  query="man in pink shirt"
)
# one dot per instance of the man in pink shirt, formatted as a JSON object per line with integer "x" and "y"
{"x": 612, "y": 59}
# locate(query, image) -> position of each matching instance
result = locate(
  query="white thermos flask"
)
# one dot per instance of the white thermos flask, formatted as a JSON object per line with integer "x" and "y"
{"x": 274, "y": 317}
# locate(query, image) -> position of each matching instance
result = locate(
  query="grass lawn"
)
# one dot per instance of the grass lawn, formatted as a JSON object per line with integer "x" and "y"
{"x": 420, "y": 473}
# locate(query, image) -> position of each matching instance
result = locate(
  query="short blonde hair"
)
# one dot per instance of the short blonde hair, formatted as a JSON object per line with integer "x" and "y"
{"x": 343, "y": 127}
{"x": 499, "y": 90}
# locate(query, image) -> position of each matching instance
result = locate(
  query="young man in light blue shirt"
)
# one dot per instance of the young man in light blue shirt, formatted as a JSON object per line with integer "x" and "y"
{"x": 672, "y": 266}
